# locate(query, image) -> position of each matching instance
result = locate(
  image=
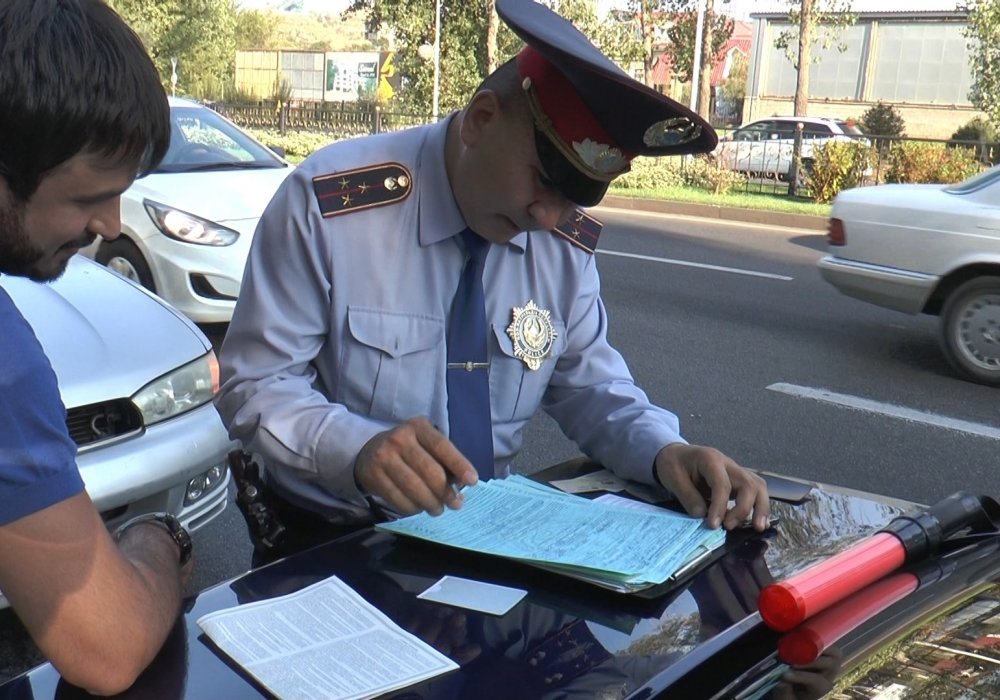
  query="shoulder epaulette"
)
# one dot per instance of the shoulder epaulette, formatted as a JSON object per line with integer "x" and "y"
{"x": 581, "y": 229}
{"x": 362, "y": 188}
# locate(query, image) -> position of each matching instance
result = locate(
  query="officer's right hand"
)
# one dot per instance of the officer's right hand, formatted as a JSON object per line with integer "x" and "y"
{"x": 412, "y": 468}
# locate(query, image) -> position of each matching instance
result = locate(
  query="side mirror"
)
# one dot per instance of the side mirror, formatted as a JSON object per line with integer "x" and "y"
{"x": 278, "y": 150}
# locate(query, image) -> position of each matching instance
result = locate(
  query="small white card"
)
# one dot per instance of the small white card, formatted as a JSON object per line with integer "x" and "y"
{"x": 474, "y": 595}
{"x": 601, "y": 480}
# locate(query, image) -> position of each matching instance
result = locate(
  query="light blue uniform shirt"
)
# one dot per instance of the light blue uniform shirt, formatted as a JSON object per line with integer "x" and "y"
{"x": 339, "y": 332}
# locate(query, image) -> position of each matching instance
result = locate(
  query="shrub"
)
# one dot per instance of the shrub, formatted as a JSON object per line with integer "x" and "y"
{"x": 297, "y": 144}
{"x": 838, "y": 165}
{"x": 651, "y": 174}
{"x": 929, "y": 162}
{"x": 978, "y": 131}
{"x": 705, "y": 174}
{"x": 882, "y": 120}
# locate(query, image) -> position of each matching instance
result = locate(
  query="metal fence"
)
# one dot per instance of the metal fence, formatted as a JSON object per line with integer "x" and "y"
{"x": 340, "y": 119}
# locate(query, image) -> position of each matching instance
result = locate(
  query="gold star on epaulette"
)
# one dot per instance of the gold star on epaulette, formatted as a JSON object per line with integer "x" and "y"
{"x": 335, "y": 194}
{"x": 583, "y": 231}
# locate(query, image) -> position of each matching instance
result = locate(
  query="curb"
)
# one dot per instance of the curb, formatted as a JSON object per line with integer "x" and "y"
{"x": 711, "y": 211}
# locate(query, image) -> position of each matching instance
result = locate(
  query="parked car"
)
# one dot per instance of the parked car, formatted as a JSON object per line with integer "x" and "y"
{"x": 138, "y": 380}
{"x": 932, "y": 249}
{"x": 187, "y": 226}
{"x": 766, "y": 147}
{"x": 927, "y": 630}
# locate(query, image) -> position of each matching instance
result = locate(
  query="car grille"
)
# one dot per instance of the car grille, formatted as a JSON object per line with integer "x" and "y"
{"x": 98, "y": 422}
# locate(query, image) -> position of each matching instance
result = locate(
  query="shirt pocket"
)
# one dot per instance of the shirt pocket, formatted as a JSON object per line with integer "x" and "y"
{"x": 392, "y": 366}
{"x": 516, "y": 391}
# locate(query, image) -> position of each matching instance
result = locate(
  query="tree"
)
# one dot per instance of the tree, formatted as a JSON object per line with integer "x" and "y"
{"x": 682, "y": 32}
{"x": 255, "y": 29}
{"x": 983, "y": 31}
{"x": 464, "y": 54}
{"x": 200, "y": 34}
{"x": 816, "y": 22}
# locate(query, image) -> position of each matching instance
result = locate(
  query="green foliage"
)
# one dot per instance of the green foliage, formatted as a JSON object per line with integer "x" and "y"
{"x": 929, "y": 162}
{"x": 705, "y": 174}
{"x": 983, "y": 30}
{"x": 463, "y": 50}
{"x": 297, "y": 144}
{"x": 838, "y": 165}
{"x": 977, "y": 129}
{"x": 672, "y": 171}
{"x": 882, "y": 119}
{"x": 650, "y": 173}
{"x": 980, "y": 132}
{"x": 255, "y": 29}
{"x": 821, "y": 24}
{"x": 200, "y": 34}
{"x": 616, "y": 37}
{"x": 681, "y": 32}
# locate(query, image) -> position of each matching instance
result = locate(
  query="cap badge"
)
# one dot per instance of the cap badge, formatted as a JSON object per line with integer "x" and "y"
{"x": 532, "y": 332}
{"x": 671, "y": 132}
{"x": 600, "y": 157}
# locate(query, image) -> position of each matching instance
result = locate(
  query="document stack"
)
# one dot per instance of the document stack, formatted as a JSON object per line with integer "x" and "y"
{"x": 621, "y": 548}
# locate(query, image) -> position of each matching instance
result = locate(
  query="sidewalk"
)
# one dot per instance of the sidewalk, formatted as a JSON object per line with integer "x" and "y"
{"x": 709, "y": 211}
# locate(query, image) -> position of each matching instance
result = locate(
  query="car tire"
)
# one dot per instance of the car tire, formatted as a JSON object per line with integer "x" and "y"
{"x": 122, "y": 256}
{"x": 970, "y": 330}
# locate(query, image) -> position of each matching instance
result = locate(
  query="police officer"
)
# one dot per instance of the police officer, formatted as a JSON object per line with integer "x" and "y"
{"x": 412, "y": 299}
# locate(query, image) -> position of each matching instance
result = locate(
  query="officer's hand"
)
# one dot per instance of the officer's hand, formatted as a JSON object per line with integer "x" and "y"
{"x": 412, "y": 467}
{"x": 683, "y": 469}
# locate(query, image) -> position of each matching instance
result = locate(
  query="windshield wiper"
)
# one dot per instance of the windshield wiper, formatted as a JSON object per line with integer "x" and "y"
{"x": 242, "y": 165}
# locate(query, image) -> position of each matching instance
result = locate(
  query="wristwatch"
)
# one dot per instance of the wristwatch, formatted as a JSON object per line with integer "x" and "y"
{"x": 172, "y": 526}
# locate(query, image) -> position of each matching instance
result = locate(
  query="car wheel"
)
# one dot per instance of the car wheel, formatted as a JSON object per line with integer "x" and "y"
{"x": 970, "y": 329}
{"x": 122, "y": 256}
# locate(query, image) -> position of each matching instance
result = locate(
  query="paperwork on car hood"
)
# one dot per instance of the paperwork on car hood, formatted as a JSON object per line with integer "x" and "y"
{"x": 624, "y": 549}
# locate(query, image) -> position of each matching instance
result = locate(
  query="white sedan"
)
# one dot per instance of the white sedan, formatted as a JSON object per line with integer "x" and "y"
{"x": 931, "y": 249}
{"x": 187, "y": 226}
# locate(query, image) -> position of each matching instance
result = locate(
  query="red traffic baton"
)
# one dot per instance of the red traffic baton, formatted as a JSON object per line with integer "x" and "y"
{"x": 906, "y": 539}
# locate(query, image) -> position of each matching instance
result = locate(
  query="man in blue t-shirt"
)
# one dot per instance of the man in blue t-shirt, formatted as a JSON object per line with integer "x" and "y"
{"x": 82, "y": 113}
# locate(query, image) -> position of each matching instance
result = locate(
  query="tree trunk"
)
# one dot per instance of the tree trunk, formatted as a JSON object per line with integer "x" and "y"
{"x": 492, "y": 22}
{"x": 707, "y": 59}
{"x": 646, "y": 28}
{"x": 805, "y": 59}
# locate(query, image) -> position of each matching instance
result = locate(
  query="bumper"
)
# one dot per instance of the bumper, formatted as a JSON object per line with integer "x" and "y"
{"x": 150, "y": 471}
{"x": 202, "y": 282}
{"x": 900, "y": 290}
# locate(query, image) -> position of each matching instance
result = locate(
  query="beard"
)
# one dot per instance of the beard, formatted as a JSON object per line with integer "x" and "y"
{"x": 18, "y": 255}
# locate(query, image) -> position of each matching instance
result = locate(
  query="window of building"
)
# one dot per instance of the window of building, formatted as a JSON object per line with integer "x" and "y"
{"x": 921, "y": 62}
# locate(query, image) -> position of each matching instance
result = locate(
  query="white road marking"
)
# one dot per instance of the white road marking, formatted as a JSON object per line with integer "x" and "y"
{"x": 703, "y": 266}
{"x": 887, "y": 409}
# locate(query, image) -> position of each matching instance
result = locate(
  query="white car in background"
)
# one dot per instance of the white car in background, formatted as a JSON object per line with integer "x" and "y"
{"x": 932, "y": 249}
{"x": 137, "y": 380}
{"x": 766, "y": 147}
{"x": 187, "y": 226}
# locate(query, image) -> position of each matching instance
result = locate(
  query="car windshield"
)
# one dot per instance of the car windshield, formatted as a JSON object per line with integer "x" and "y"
{"x": 976, "y": 182}
{"x": 200, "y": 139}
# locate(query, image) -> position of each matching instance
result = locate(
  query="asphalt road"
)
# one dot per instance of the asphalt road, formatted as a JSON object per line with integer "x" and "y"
{"x": 729, "y": 325}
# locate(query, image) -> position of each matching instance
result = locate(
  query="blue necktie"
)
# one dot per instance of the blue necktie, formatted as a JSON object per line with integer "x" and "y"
{"x": 470, "y": 427}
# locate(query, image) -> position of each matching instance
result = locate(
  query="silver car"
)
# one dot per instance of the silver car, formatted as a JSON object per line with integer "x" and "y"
{"x": 932, "y": 249}
{"x": 137, "y": 379}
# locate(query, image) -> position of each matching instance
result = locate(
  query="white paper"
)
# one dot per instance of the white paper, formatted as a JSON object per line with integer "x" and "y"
{"x": 324, "y": 642}
{"x": 474, "y": 595}
{"x": 601, "y": 480}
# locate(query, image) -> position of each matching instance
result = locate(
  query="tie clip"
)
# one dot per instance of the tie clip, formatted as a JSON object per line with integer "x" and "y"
{"x": 468, "y": 366}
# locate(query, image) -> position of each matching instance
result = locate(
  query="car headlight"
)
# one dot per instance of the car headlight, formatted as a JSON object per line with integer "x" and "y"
{"x": 188, "y": 227}
{"x": 185, "y": 388}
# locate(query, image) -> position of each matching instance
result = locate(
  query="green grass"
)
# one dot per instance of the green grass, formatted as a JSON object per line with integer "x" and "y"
{"x": 743, "y": 200}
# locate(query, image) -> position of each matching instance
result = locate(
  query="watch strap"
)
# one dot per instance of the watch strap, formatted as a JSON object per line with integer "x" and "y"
{"x": 170, "y": 523}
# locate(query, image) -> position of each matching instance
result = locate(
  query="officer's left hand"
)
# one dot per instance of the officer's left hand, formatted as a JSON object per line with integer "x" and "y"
{"x": 685, "y": 469}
